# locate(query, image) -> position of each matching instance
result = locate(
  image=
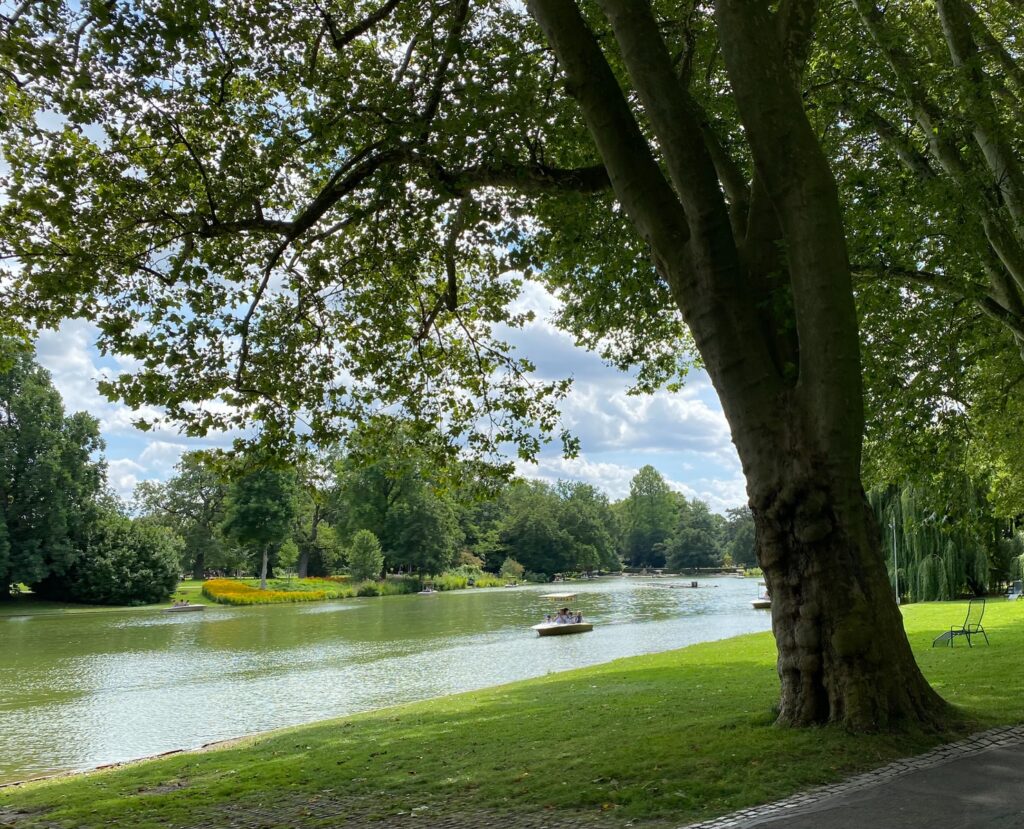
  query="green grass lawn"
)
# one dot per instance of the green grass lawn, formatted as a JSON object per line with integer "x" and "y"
{"x": 674, "y": 737}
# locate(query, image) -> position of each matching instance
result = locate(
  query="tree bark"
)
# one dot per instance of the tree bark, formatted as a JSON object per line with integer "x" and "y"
{"x": 199, "y": 567}
{"x": 304, "y": 554}
{"x": 843, "y": 654}
{"x": 263, "y": 567}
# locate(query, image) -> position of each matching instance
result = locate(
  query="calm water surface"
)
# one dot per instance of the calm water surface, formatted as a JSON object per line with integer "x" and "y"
{"x": 83, "y": 690}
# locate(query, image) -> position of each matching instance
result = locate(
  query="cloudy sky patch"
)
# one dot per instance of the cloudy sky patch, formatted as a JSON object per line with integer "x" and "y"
{"x": 684, "y": 435}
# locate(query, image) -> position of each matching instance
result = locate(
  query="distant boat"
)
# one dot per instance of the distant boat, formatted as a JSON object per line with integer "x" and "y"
{"x": 427, "y": 591}
{"x": 763, "y": 600}
{"x": 184, "y": 608}
{"x": 562, "y": 628}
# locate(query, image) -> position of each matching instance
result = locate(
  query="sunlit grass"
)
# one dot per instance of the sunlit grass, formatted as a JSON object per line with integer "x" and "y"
{"x": 673, "y": 737}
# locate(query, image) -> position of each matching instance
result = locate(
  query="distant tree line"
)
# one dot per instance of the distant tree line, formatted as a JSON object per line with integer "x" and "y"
{"x": 427, "y": 517}
{"x": 389, "y": 501}
{"x": 386, "y": 502}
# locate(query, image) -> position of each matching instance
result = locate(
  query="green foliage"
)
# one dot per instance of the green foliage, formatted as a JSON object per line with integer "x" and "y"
{"x": 738, "y": 537}
{"x": 391, "y": 485}
{"x": 511, "y": 569}
{"x": 649, "y": 516}
{"x": 388, "y": 587}
{"x": 365, "y": 558}
{"x": 694, "y": 543}
{"x": 122, "y": 562}
{"x": 260, "y": 509}
{"x": 191, "y": 502}
{"x": 945, "y": 547}
{"x": 49, "y": 480}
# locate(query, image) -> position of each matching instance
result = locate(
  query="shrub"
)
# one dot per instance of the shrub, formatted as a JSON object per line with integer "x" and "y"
{"x": 511, "y": 569}
{"x": 122, "y": 562}
{"x": 368, "y": 588}
{"x": 458, "y": 579}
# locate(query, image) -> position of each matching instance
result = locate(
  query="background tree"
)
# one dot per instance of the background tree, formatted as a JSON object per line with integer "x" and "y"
{"x": 531, "y": 531}
{"x": 260, "y": 511}
{"x": 365, "y": 558}
{"x": 50, "y": 480}
{"x": 511, "y": 569}
{"x": 648, "y": 518}
{"x": 122, "y": 562}
{"x": 738, "y": 537}
{"x": 390, "y": 484}
{"x": 587, "y": 519}
{"x": 191, "y": 502}
{"x": 694, "y": 542}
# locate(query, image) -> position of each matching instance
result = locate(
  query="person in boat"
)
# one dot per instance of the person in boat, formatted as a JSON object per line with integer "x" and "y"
{"x": 563, "y": 617}
{"x": 579, "y": 617}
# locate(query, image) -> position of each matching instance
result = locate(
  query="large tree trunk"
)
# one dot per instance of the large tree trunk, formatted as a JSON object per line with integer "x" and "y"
{"x": 199, "y": 567}
{"x": 263, "y": 567}
{"x": 843, "y": 654}
{"x": 790, "y": 389}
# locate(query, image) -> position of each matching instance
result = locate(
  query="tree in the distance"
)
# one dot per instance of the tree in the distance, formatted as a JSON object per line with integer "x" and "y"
{"x": 260, "y": 511}
{"x": 122, "y": 562}
{"x": 191, "y": 502}
{"x": 49, "y": 479}
{"x": 365, "y": 558}
{"x": 694, "y": 542}
{"x": 649, "y": 517}
{"x": 511, "y": 569}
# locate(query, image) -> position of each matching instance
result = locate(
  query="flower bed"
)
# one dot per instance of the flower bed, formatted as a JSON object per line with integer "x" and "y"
{"x": 228, "y": 591}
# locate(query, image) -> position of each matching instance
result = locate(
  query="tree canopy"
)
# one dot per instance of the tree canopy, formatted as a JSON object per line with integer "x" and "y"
{"x": 294, "y": 219}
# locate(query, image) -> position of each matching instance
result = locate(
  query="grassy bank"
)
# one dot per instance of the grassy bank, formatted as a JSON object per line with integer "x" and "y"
{"x": 27, "y": 604}
{"x": 673, "y": 737}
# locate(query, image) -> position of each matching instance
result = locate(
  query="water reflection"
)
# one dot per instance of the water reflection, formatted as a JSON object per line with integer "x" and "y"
{"x": 80, "y": 691}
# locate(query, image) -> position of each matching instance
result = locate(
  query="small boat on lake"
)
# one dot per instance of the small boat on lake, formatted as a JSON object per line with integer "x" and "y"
{"x": 763, "y": 600}
{"x": 184, "y": 608}
{"x": 554, "y": 627}
{"x": 427, "y": 591}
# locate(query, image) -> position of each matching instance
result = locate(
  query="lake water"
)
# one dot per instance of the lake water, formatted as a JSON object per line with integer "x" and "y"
{"x": 83, "y": 690}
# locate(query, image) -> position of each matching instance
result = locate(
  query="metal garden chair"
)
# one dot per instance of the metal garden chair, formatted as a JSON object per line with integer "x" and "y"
{"x": 970, "y": 627}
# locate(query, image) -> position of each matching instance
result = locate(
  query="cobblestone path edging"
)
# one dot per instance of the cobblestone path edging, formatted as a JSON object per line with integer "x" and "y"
{"x": 975, "y": 744}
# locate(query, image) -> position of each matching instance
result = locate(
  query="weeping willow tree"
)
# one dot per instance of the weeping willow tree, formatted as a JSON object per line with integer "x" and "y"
{"x": 944, "y": 548}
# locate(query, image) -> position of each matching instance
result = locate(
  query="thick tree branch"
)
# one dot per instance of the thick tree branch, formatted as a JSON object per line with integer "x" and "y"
{"x": 943, "y": 145}
{"x": 341, "y": 39}
{"x": 527, "y": 178}
{"x": 632, "y": 170}
{"x": 674, "y": 120}
{"x": 914, "y": 160}
{"x": 798, "y": 180}
{"x": 460, "y": 16}
{"x": 985, "y": 122}
{"x": 797, "y": 19}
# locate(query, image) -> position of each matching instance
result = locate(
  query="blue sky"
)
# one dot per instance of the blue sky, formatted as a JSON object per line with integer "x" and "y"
{"x": 684, "y": 435}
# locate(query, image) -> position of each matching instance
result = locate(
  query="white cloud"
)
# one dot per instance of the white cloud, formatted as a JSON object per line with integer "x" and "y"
{"x": 123, "y": 475}
{"x": 162, "y": 454}
{"x": 613, "y": 479}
